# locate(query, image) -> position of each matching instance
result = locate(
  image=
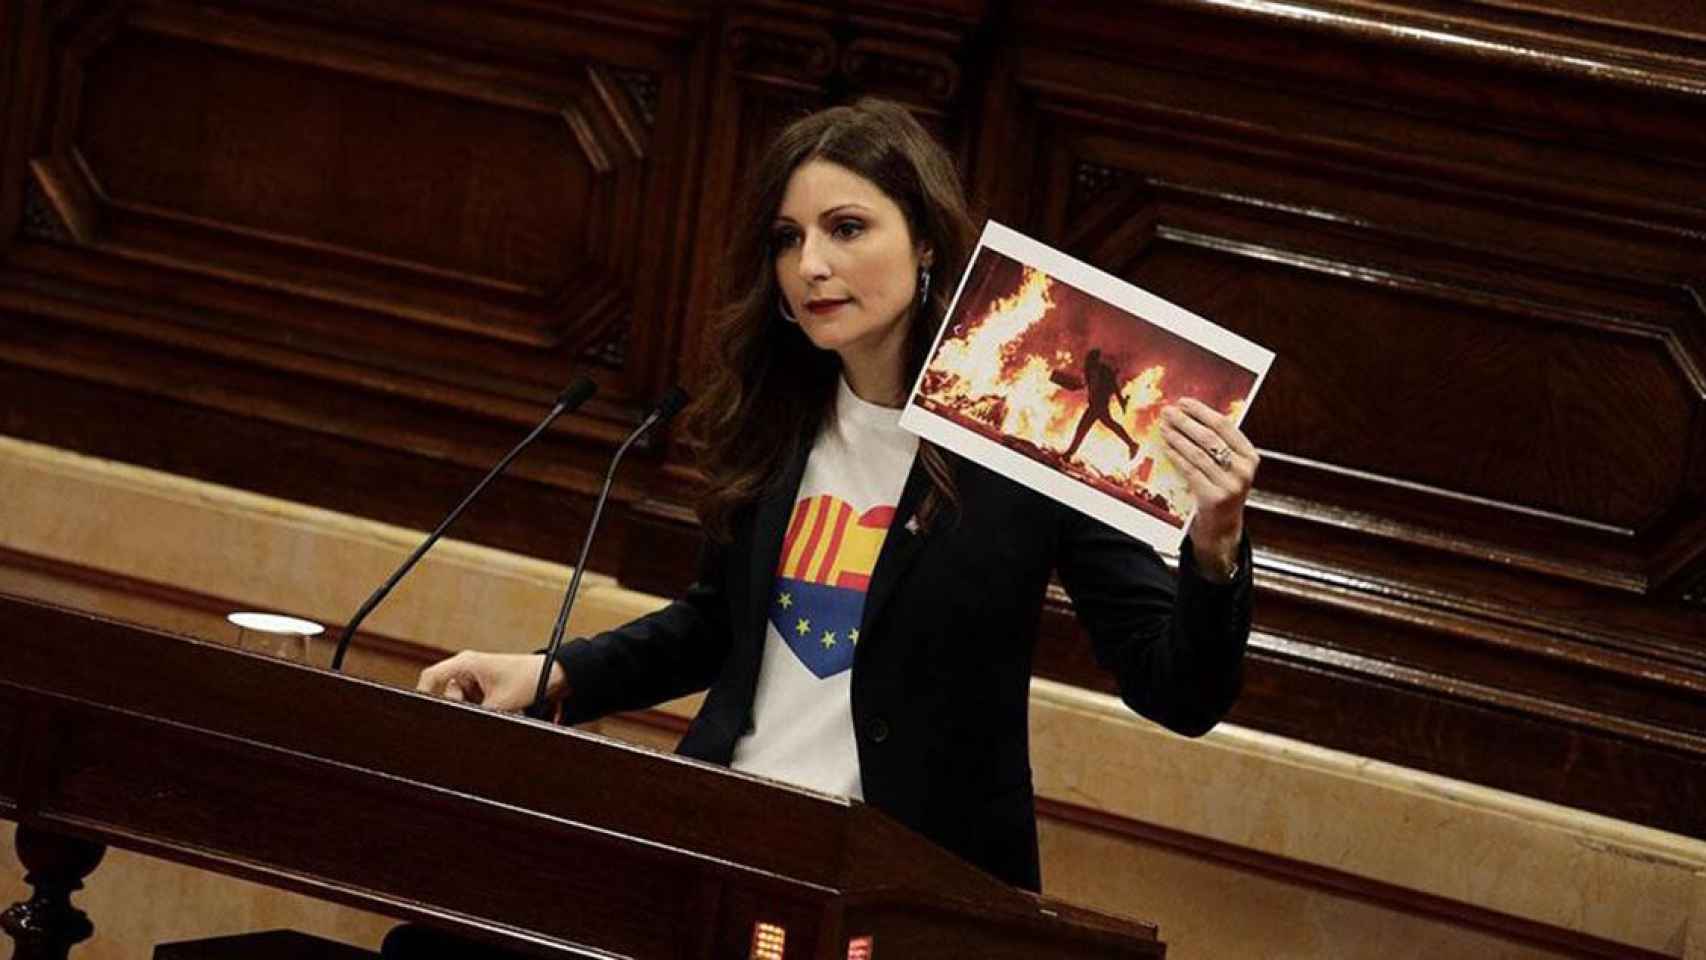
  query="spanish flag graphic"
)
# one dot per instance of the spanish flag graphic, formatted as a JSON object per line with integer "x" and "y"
{"x": 821, "y": 579}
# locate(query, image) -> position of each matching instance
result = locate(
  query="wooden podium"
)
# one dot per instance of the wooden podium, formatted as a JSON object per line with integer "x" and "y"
{"x": 523, "y": 834}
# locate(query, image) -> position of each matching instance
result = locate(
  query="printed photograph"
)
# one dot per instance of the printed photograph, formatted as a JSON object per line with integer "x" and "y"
{"x": 1055, "y": 373}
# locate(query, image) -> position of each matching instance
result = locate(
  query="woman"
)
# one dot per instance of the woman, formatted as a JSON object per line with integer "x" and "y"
{"x": 866, "y": 605}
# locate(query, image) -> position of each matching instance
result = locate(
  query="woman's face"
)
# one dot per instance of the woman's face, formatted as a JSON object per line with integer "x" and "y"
{"x": 845, "y": 260}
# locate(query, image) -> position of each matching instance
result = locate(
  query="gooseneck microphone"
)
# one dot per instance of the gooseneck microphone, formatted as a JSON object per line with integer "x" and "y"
{"x": 669, "y": 406}
{"x": 572, "y": 396}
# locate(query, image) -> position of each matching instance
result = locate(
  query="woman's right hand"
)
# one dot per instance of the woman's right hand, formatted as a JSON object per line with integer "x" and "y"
{"x": 501, "y": 681}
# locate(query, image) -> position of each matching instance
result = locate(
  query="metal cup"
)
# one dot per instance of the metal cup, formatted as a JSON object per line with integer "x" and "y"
{"x": 274, "y": 635}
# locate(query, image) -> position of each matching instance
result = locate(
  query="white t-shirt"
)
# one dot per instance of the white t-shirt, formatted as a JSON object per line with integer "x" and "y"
{"x": 802, "y": 714}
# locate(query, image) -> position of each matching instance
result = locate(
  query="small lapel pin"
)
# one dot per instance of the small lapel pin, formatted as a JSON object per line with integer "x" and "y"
{"x": 912, "y": 525}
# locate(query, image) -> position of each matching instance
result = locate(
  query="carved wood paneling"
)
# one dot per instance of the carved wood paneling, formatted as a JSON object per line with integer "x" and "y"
{"x": 793, "y": 64}
{"x": 1444, "y": 356}
{"x": 1416, "y": 717}
{"x": 287, "y": 161}
{"x": 1471, "y": 916}
{"x": 314, "y": 220}
{"x": 41, "y": 220}
{"x": 179, "y": 775}
{"x": 1640, "y": 24}
{"x": 372, "y": 239}
{"x": 540, "y": 507}
{"x": 9, "y": 758}
{"x": 1471, "y": 542}
{"x": 1474, "y": 398}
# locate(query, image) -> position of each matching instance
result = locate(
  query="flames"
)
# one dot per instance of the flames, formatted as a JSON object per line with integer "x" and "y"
{"x": 978, "y": 374}
{"x": 974, "y": 359}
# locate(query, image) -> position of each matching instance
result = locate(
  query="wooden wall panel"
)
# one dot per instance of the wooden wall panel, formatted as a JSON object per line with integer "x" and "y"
{"x": 345, "y": 251}
{"x": 10, "y": 758}
{"x": 332, "y": 217}
{"x": 343, "y": 187}
{"x": 1481, "y": 498}
{"x": 1643, "y": 24}
{"x": 1422, "y": 345}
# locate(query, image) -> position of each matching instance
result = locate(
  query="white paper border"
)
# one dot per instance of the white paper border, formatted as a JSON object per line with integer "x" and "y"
{"x": 1140, "y": 303}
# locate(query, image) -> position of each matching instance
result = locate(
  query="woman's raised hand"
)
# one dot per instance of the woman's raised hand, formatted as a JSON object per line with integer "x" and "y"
{"x": 501, "y": 681}
{"x": 1219, "y": 463}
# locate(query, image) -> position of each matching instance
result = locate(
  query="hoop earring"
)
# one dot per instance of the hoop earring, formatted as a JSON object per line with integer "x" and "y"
{"x": 782, "y": 310}
{"x": 923, "y": 285}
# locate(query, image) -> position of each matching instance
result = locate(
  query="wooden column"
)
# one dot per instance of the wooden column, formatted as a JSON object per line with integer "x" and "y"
{"x": 47, "y": 926}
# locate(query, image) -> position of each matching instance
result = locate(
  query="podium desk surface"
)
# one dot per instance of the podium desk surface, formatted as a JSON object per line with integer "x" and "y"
{"x": 543, "y": 838}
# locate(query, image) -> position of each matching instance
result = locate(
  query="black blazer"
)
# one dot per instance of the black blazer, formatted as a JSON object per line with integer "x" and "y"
{"x": 941, "y": 674}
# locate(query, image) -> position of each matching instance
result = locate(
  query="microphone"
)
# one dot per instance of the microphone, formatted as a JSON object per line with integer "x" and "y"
{"x": 572, "y": 396}
{"x": 667, "y": 407}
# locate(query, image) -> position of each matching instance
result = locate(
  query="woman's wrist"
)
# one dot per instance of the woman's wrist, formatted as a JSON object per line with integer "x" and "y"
{"x": 1217, "y": 557}
{"x": 558, "y": 684}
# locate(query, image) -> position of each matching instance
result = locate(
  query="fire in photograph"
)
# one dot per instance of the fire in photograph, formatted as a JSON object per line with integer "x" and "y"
{"x": 1073, "y": 382}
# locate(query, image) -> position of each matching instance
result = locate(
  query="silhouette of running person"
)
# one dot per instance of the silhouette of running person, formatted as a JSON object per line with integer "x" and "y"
{"x": 1100, "y": 383}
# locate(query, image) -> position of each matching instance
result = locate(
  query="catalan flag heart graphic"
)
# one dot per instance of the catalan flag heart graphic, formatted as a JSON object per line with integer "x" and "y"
{"x": 821, "y": 580}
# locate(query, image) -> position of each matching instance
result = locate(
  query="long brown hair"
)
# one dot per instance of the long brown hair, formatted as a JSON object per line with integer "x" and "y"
{"x": 770, "y": 390}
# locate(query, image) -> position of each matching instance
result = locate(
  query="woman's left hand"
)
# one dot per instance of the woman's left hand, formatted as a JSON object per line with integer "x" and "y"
{"x": 1219, "y": 463}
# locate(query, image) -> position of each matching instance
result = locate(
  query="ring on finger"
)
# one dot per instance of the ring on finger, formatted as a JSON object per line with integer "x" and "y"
{"x": 1222, "y": 456}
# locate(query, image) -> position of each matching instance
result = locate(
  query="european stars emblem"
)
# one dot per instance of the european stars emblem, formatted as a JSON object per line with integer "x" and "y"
{"x": 822, "y": 577}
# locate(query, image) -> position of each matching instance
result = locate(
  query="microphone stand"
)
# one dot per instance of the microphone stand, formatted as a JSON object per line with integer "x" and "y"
{"x": 573, "y": 396}
{"x": 672, "y": 402}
